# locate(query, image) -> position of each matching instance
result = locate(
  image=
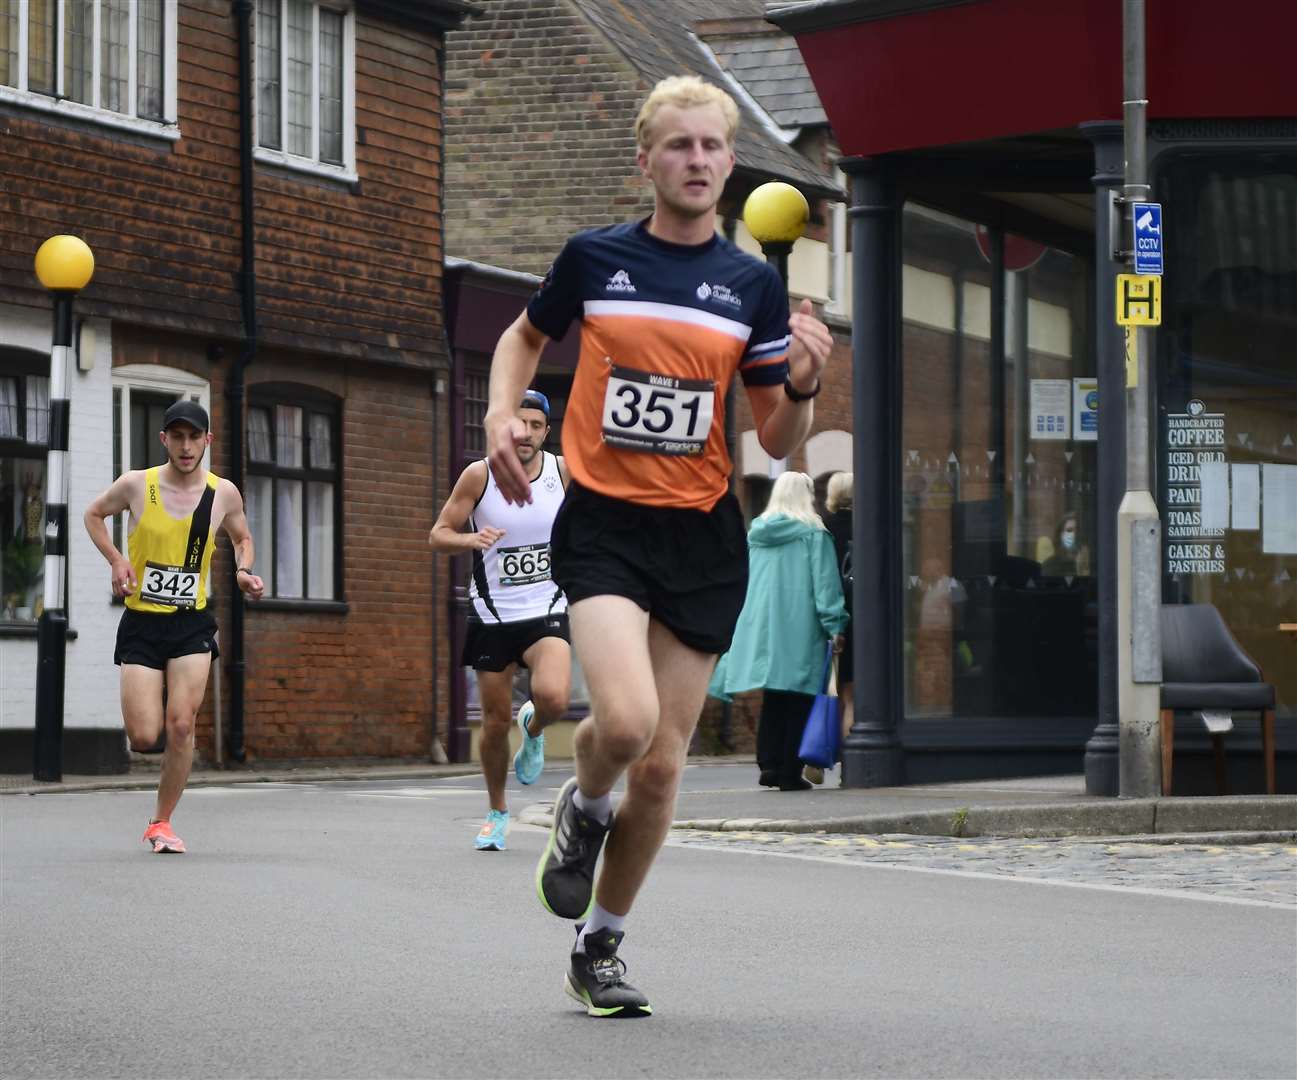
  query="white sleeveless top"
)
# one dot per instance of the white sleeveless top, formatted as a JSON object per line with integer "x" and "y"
{"x": 511, "y": 580}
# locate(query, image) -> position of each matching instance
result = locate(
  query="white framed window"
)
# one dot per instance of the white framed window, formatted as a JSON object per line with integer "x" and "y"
{"x": 24, "y": 443}
{"x": 293, "y": 490}
{"x": 141, "y": 394}
{"x": 305, "y": 85}
{"x": 112, "y": 62}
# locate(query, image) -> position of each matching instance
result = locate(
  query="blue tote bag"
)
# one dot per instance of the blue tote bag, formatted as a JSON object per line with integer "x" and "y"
{"x": 821, "y": 738}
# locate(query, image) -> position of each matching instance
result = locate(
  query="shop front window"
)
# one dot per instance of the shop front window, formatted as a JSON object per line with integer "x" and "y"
{"x": 999, "y": 460}
{"x": 1227, "y": 465}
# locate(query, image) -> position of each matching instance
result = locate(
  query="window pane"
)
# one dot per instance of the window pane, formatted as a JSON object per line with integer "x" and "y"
{"x": 8, "y": 42}
{"x": 998, "y": 511}
{"x": 331, "y": 86}
{"x": 41, "y": 24}
{"x": 321, "y": 442}
{"x": 1227, "y": 394}
{"x": 147, "y": 411}
{"x": 38, "y": 409}
{"x": 114, "y": 55}
{"x": 149, "y": 97}
{"x": 78, "y": 41}
{"x": 299, "y": 78}
{"x": 9, "y": 428}
{"x": 288, "y": 538}
{"x": 259, "y": 435}
{"x": 268, "y": 117}
{"x": 288, "y": 436}
{"x": 476, "y": 392}
{"x": 319, "y": 537}
{"x": 22, "y": 550}
{"x": 259, "y": 510}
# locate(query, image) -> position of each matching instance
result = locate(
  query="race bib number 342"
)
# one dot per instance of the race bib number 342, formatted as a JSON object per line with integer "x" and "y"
{"x": 659, "y": 414}
{"x": 172, "y": 585}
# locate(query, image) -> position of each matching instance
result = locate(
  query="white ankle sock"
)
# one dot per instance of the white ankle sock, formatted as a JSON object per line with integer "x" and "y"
{"x": 600, "y": 920}
{"x": 600, "y": 809}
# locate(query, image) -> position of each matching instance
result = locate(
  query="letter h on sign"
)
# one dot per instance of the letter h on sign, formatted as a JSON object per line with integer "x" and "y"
{"x": 1139, "y": 300}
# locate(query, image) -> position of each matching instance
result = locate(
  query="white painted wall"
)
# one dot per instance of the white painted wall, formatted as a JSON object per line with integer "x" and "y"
{"x": 90, "y": 692}
{"x": 828, "y": 452}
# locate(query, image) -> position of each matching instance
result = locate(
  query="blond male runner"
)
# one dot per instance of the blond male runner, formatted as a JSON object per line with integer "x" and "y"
{"x": 167, "y": 635}
{"x": 519, "y": 615}
{"x": 649, "y": 546}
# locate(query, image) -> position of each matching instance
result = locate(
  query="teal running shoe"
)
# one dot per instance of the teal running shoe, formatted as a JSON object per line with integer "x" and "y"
{"x": 491, "y": 836}
{"x": 529, "y": 761}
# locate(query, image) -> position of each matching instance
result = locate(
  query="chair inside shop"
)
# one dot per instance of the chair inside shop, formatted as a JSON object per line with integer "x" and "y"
{"x": 1206, "y": 671}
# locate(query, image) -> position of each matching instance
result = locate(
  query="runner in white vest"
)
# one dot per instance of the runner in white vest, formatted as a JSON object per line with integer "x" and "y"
{"x": 519, "y": 615}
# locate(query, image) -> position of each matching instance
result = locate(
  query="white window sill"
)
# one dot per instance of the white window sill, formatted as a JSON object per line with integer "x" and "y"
{"x": 305, "y": 166}
{"x": 74, "y": 110}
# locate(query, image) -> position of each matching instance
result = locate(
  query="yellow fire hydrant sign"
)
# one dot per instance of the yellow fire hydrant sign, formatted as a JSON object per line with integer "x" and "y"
{"x": 1139, "y": 300}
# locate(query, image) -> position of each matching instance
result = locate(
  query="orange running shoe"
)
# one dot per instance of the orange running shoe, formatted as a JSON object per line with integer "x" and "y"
{"x": 164, "y": 841}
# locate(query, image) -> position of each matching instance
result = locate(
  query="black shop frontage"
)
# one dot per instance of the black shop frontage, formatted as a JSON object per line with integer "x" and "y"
{"x": 983, "y": 142}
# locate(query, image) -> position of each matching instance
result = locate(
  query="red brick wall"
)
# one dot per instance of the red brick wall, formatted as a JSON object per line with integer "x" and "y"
{"x": 358, "y": 684}
{"x": 328, "y": 684}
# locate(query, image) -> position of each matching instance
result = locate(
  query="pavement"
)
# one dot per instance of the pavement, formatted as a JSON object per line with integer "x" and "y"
{"x": 720, "y": 795}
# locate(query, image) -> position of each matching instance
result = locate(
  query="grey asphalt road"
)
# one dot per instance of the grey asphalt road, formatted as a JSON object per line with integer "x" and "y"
{"x": 349, "y": 930}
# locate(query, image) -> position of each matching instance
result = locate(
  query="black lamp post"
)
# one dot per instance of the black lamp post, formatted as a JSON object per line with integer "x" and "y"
{"x": 64, "y": 265}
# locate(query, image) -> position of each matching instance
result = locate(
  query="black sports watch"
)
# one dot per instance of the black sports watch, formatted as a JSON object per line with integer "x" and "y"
{"x": 242, "y": 570}
{"x": 796, "y": 395}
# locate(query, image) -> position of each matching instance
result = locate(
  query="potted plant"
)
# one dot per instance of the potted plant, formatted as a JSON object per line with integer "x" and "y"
{"x": 21, "y": 565}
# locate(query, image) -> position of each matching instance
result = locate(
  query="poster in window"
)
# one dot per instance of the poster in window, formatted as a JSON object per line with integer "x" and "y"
{"x": 1051, "y": 409}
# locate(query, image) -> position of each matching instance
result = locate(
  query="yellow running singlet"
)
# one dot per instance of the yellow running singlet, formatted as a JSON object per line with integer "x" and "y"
{"x": 171, "y": 556}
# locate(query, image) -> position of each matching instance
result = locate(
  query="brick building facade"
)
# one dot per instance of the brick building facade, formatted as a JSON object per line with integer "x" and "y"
{"x": 323, "y": 328}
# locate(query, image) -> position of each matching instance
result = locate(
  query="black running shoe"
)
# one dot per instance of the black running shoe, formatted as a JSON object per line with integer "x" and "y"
{"x": 596, "y": 978}
{"x": 565, "y": 873}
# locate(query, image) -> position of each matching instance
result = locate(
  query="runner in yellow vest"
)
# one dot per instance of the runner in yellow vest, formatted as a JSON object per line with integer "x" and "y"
{"x": 167, "y": 632}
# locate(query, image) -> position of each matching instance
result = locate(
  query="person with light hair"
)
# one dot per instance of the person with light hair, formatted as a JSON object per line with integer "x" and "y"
{"x": 793, "y": 608}
{"x": 649, "y": 545}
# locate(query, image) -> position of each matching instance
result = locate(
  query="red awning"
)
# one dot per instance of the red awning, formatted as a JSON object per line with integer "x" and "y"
{"x": 1003, "y": 68}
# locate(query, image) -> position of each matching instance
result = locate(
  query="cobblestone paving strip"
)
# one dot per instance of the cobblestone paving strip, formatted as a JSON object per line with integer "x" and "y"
{"x": 1265, "y": 872}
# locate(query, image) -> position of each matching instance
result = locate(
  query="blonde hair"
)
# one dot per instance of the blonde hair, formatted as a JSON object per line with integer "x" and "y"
{"x": 684, "y": 92}
{"x": 793, "y": 496}
{"x": 839, "y": 492}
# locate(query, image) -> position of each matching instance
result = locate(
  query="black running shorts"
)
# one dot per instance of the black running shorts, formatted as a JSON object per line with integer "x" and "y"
{"x": 152, "y": 639}
{"x": 492, "y": 646}
{"x": 687, "y": 568}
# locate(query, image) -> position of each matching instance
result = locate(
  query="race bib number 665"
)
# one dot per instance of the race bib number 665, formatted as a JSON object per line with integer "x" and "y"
{"x": 524, "y": 565}
{"x": 659, "y": 414}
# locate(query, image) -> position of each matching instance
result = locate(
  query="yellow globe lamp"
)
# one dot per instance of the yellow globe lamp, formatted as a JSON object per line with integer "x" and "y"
{"x": 65, "y": 263}
{"x": 776, "y": 213}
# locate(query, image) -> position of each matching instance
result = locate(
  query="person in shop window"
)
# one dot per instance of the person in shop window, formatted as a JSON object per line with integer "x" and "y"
{"x": 1070, "y": 558}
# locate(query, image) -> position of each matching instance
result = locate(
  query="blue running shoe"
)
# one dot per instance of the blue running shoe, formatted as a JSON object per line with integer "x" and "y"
{"x": 529, "y": 761}
{"x": 491, "y": 836}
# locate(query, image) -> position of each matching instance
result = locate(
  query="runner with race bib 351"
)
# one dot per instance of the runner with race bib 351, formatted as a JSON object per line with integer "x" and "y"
{"x": 167, "y": 635}
{"x": 649, "y": 546}
{"x": 519, "y": 615}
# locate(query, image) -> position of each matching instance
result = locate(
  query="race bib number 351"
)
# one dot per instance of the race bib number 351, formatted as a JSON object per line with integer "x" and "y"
{"x": 658, "y": 414}
{"x": 172, "y": 585}
{"x": 524, "y": 565}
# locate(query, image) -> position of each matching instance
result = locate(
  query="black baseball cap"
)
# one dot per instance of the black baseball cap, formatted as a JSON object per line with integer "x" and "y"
{"x": 187, "y": 412}
{"x": 534, "y": 399}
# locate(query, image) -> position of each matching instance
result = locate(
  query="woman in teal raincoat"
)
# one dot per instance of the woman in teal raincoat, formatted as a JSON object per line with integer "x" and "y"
{"x": 794, "y": 607}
